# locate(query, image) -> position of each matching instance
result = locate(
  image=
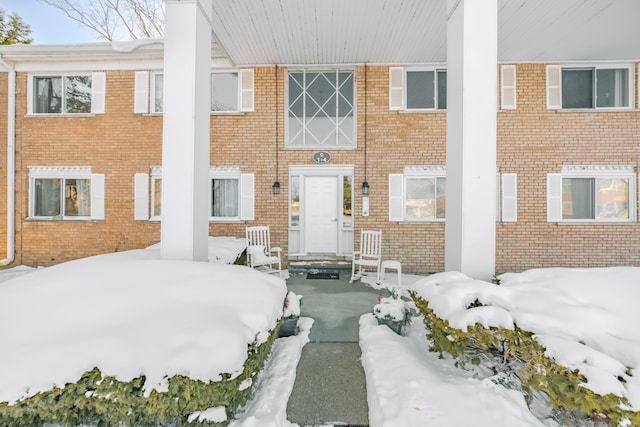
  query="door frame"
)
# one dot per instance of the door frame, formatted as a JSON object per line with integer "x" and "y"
{"x": 297, "y": 242}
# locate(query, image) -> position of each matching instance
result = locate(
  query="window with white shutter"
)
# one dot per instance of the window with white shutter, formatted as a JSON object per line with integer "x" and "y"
{"x": 592, "y": 194}
{"x": 65, "y": 193}
{"x": 586, "y": 86}
{"x": 66, "y": 94}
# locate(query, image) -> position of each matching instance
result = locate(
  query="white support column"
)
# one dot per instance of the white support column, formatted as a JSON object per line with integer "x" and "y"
{"x": 186, "y": 128}
{"x": 470, "y": 231}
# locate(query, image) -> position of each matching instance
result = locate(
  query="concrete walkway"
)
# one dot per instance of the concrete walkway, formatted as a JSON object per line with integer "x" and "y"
{"x": 330, "y": 384}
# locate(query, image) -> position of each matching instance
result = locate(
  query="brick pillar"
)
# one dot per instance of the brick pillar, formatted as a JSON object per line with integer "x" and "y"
{"x": 470, "y": 231}
{"x": 186, "y": 128}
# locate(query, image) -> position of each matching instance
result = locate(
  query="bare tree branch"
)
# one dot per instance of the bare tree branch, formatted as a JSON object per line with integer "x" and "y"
{"x": 115, "y": 19}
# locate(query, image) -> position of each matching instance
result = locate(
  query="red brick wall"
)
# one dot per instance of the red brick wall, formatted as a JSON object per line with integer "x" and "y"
{"x": 532, "y": 141}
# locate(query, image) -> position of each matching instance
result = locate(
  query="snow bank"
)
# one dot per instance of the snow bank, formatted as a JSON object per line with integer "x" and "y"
{"x": 408, "y": 386}
{"x": 131, "y": 314}
{"x": 586, "y": 318}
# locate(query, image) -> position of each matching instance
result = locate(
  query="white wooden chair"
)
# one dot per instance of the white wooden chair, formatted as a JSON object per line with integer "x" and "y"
{"x": 369, "y": 255}
{"x": 259, "y": 250}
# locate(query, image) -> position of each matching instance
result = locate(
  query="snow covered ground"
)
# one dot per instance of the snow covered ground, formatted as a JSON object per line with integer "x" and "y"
{"x": 157, "y": 314}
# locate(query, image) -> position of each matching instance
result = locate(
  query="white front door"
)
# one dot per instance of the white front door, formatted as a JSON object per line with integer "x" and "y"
{"x": 321, "y": 214}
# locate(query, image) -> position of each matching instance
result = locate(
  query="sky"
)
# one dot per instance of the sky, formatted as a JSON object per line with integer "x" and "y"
{"x": 48, "y": 24}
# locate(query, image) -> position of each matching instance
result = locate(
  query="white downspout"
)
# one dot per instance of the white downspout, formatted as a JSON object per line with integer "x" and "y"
{"x": 11, "y": 162}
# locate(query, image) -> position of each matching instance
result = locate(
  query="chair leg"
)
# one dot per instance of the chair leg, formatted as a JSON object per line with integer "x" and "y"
{"x": 353, "y": 272}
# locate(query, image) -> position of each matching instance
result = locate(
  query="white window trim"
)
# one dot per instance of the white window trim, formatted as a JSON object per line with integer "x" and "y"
{"x": 246, "y": 193}
{"x": 558, "y": 68}
{"x": 98, "y": 93}
{"x": 152, "y": 93}
{"x": 156, "y": 172}
{"x": 68, "y": 172}
{"x": 597, "y": 171}
{"x": 305, "y": 146}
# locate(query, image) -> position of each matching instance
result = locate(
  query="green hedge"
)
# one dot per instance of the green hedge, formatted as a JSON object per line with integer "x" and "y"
{"x": 516, "y": 355}
{"x": 98, "y": 401}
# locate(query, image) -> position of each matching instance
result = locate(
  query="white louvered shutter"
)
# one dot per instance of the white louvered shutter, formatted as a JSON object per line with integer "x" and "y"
{"x": 509, "y": 197}
{"x": 554, "y": 197}
{"x": 246, "y": 89}
{"x": 247, "y": 203}
{"x": 554, "y": 87}
{"x": 396, "y": 197}
{"x": 98, "y": 92}
{"x": 141, "y": 93}
{"x": 508, "y": 87}
{"x": 141, "y": 196}
{"x": 97, "y": 196}
{"x": 396, "y": 88}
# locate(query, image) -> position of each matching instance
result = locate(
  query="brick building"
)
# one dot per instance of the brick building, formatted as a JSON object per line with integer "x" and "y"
{"x": 85, "y": 126}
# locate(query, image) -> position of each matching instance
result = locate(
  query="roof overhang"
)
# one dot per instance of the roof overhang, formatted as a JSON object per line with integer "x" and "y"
{"x": 334, "y": 32}
{"x": 415, "y": 31}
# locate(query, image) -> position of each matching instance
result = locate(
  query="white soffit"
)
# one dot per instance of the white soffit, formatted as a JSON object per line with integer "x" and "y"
{"x": 331, "y": 31}
{"x": 414, "y": 31}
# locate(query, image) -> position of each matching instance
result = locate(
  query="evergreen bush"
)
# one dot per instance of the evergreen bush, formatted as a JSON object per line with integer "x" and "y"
{"x": 104, "y": 401}
{"x": 518, "y": 361}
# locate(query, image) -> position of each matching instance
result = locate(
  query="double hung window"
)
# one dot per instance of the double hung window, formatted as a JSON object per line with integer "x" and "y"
{"x": 591, "y": 193}
{"x": 419, "y": 195}
{"x": 231, "y": 91}
{"x": 589, "y": 87}
{"x": 321, "y": 108}
{"x": 65, "y": 193}
{"x": 417, "y": 89}
{"x": 231, "y": 194}
{"x": 67, "y": 94}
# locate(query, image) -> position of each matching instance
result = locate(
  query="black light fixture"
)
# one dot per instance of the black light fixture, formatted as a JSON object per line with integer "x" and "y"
{"x": 365, "y": 184}
{"x": 276, "y": 185}
{"x": 365, "y": 188}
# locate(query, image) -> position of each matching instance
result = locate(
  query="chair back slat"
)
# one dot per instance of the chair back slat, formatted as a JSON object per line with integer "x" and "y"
{"x": 259, "y": 235}
{"x": 370, "y": 243}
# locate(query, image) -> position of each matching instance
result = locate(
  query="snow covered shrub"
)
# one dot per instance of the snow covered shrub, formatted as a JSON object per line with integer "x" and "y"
{"x": 104, "y": 401}
{"x": 515, "y": 359}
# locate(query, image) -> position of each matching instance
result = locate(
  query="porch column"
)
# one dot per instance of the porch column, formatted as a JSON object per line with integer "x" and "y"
{"x": 185, "y": 144}
{"x": 470, "y": 230}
